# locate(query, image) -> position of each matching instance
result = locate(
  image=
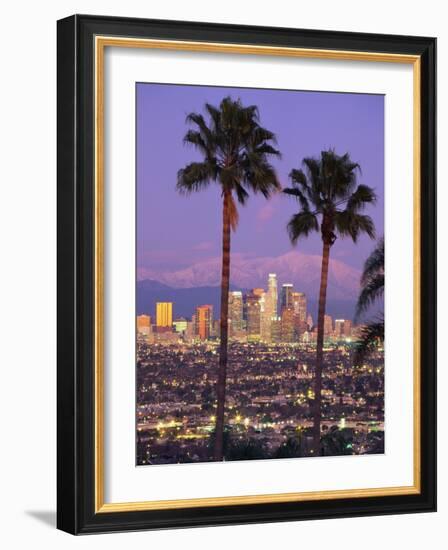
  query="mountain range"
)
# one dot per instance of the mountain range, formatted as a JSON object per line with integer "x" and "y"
{"x": 200, "y": 282}
{"x": 303, "y": 270}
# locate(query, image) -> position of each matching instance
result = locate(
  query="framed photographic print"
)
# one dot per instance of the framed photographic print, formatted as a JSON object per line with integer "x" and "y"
{"x": 246, "y": 274}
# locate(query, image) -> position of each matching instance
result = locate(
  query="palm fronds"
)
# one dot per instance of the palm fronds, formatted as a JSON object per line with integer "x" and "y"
{"x": 374, "y": 263}
{"x": 371, "y": 335}
{"x": 372, "y": 280}
{"x": 327, "y": 189}
{"x": 372, "y": 289}
{"x": 236, "y": 152}
{"x": 301, "y": 225}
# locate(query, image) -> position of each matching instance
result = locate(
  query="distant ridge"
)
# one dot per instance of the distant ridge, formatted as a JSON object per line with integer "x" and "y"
{"x": 303, "y": 270}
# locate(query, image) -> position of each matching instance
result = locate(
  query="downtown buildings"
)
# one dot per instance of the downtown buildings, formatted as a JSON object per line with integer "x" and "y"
{"x": 236, "y": 316}
{"x": 203, "y": 322}
{"x": 267, "y": 315}
{"x": 164, "y": 314}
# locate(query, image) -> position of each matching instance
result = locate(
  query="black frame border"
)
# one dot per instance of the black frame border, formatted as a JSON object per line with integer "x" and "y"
{"x": 76, "y": 262}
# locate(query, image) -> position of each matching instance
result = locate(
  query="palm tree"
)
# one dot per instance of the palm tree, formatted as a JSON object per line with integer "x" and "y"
{"x": 372, "y": 289}
{"x": 330, "y": 200}
{"x": 236, "y": 151}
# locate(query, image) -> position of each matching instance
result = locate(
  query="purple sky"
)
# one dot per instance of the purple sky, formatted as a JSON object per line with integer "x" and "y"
{"x": 175, "y": 232}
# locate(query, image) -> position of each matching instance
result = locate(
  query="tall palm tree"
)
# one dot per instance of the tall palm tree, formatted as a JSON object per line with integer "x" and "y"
{"x": 330, "y": 200}
{"x": 236, "y": 154}
{"x": 372, "y": 289}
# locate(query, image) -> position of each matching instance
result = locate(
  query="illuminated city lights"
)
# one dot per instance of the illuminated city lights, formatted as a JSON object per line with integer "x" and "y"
{"x": 270, "y": 381}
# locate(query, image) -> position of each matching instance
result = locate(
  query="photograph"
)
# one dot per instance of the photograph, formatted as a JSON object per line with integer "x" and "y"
{"x": 246, "y": 319}
{"x": 259, "y": 274}
{"x": 223, "y": 229}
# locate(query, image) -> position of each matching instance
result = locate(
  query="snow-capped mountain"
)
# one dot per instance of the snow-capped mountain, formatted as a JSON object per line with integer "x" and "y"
{"x": 247, "y": 272}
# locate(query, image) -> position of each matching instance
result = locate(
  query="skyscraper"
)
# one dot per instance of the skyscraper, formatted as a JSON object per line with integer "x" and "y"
{"x": 276, "y": 329}
{"x": 253, "y": 314}
{"x": 299, "y": 305}
{"x": 235, "y": 312}
{"x": 328, "y": 326}
{"x": 287, "y": 325}
{"x": 339, "y": 328}
{"x": 204, "y": 321}
{"x": 143, "y": 324}
{"x": 287, "y": 291}
{"x": 164, "y": 314}
{"x": 272, "y": 294}
{"x": 265, "y": 318}
{"x": 347, "y": 328}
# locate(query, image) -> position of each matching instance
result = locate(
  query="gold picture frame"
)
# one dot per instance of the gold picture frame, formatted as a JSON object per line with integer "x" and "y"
{"x": 101, "y": 40}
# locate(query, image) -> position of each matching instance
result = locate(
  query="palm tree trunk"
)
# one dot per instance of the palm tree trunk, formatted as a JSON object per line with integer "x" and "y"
{"x": 222, "y": 372}
{"x": 317, "y": 413}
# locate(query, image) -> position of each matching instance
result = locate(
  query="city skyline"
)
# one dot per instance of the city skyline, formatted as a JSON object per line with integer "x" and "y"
{"x": 248, "y": 344}
{"x": 272, "y": 315}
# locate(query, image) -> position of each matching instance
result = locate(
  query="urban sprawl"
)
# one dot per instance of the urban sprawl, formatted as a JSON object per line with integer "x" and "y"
{"x": 271, "y": 353}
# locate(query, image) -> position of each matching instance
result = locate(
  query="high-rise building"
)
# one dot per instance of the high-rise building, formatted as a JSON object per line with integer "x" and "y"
{"x": 180, "y": 325}
{"x": 276, "y": 329}
{"x": 309, "y": 321}
{"x": 328, "y": 326}
{"x": 299, "y": 327}
{"x": 235, "y": 312}
{"x": 299, "y": 304}
{"x": 342, "y": 329}
{"x": 287, "y": 291}
{"x": 204, "y": 321}
{"x": 216, "y": 328}
{"x": 339, "y": 328}
{"x": 265, "y": 318}
{"x": 143, "y": 324}
{"x": 287, "y": 325}
{"x": 253, "y": 314}
{"x": 347, "y": 328}
{"x": 164, "y": 314}
{"x": 272, "y": 294}
{"x": 268, "y": 307}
